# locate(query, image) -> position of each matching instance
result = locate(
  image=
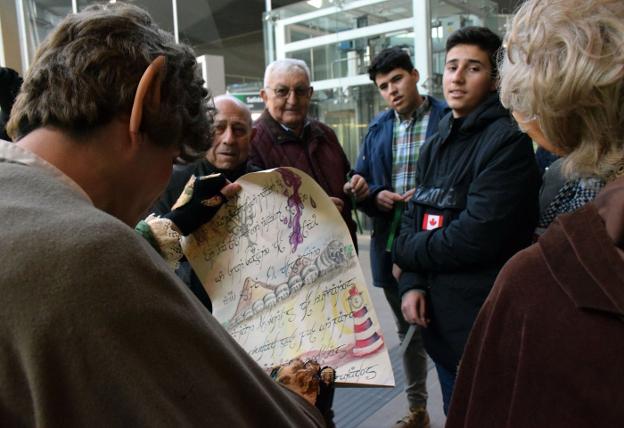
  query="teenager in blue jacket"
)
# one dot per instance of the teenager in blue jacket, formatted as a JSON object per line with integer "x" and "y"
{"x": 387, "y": 162}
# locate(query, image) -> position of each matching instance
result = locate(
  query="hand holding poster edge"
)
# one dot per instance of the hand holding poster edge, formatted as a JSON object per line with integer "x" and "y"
{"x": 281, "y": 270}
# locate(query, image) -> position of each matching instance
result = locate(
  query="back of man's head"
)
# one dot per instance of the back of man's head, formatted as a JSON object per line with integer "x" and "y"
{"x": 388, "y": 60}
{"x": 86, "y": 73}
{"x": 484, "y": 38}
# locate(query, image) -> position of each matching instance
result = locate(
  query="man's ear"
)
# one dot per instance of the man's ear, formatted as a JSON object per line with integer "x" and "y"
{"x": 494, "y": 85}
{"x": 147, "y": 95}
{"x": 416, "y": 74}
{"x": 263, "y": 95}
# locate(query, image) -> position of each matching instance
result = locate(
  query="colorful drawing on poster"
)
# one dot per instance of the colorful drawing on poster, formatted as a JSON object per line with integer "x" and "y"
{"x": 279, "y": 266}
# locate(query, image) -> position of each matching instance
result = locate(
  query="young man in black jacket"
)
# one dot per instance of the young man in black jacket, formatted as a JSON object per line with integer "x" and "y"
{"x": 475, "y": 205}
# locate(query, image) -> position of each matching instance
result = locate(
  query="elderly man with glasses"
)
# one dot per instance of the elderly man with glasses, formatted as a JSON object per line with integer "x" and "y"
{"x": 286, "y": 136}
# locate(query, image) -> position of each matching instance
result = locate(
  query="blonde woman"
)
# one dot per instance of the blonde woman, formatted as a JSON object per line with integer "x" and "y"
{"x": 547, "y": 349}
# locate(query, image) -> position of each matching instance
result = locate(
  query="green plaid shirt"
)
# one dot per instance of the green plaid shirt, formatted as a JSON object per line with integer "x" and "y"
{"x": 407, "y": 137}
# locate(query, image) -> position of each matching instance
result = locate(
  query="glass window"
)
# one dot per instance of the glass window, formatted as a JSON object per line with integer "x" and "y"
{"x": 378, "y": 12}
{"x": 350, "y": 57}
{"x": 40, "y": 17}
{"x": 348, "y": 111}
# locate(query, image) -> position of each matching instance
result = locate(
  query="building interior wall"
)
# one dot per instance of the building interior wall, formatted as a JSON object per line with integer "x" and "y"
{"x": 11, "y": 56}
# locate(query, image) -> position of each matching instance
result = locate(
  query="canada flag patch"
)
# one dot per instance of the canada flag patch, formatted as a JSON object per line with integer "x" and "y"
{"x": 432, "y": 221}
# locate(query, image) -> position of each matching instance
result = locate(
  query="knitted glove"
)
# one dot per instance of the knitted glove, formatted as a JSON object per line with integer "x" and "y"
{"x": 302, "y": 378}
{"x": 198, "y": 203}
{"x": 311, "y": 382}
{"x": 163, "y": 236}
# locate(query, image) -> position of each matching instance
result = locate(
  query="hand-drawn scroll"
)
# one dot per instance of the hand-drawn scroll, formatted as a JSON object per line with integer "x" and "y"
{"x": 280, "y": 268}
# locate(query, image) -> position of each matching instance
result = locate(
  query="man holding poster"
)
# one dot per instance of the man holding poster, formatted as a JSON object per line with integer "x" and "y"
{"x": 96, "y": 330}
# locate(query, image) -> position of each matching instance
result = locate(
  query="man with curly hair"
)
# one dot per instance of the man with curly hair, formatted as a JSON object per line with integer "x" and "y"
{"x": 96, "y": 330}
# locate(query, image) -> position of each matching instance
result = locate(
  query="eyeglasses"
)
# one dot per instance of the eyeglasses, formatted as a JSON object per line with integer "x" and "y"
{"x": 284, "y": 92}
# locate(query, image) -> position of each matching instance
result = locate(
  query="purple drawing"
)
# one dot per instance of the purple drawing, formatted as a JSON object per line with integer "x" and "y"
{"x": 295, "y": 206}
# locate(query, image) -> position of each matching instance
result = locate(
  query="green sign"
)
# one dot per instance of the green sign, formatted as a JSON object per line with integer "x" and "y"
{"x": 253, "y": 101}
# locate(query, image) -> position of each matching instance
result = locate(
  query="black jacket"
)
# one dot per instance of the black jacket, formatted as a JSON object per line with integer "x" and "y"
{"x": 179, "y": 178}
{"x": 477, "y": 178}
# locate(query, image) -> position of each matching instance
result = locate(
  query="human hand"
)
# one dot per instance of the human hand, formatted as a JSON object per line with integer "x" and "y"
{"x": 338, "y": 202}
{"x": 385, "y": 200}
{"x": 357, "y": 186}
{"x": 408, "y": 195}
{"x": 303, "y": 378}
{"x": 199, "y": 201}
{"x": 396, "y": 271}
{"x": 414, "y": 308}
{"x": 230, "y": 189}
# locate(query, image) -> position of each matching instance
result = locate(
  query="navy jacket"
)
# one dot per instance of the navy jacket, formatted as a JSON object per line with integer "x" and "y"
{"x": 475, "y": 206}
{"x": 374, "y": 163}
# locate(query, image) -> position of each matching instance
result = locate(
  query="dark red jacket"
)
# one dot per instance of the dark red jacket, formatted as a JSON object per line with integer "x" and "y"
{"x": 317, "y": 153}
{"x": 547, "y": 349}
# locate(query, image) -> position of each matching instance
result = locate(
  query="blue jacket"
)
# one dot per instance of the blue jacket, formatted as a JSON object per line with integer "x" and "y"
{"x": 374, "y": 163}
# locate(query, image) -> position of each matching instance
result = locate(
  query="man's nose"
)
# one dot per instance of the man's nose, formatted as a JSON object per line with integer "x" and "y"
{"x": 226, "y": 137}
{"x": 291, "y": 97}
{"x": 458, "y": 75}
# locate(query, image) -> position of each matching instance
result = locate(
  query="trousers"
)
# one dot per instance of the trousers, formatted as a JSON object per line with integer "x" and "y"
{"x": 415, "y": 357}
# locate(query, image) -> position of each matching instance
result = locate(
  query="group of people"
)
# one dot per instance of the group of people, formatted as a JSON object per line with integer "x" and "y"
{"x": 465, "y": 180}
{"x": 97, "y": 329}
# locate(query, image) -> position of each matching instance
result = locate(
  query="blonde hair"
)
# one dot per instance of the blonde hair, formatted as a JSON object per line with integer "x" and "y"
{"x": 564, "y": 67}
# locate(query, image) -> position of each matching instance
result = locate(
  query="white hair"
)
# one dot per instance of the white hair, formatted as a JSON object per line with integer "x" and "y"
{"x": 285, "y": 64}
{"x": 241, "y": 105}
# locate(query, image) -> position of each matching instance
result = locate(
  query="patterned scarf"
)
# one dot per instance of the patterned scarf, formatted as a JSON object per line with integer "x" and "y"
{"x": 573, "y": 195}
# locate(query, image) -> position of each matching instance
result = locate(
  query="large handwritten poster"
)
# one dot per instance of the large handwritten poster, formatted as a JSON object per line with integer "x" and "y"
{"x": 281, "y": 270}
